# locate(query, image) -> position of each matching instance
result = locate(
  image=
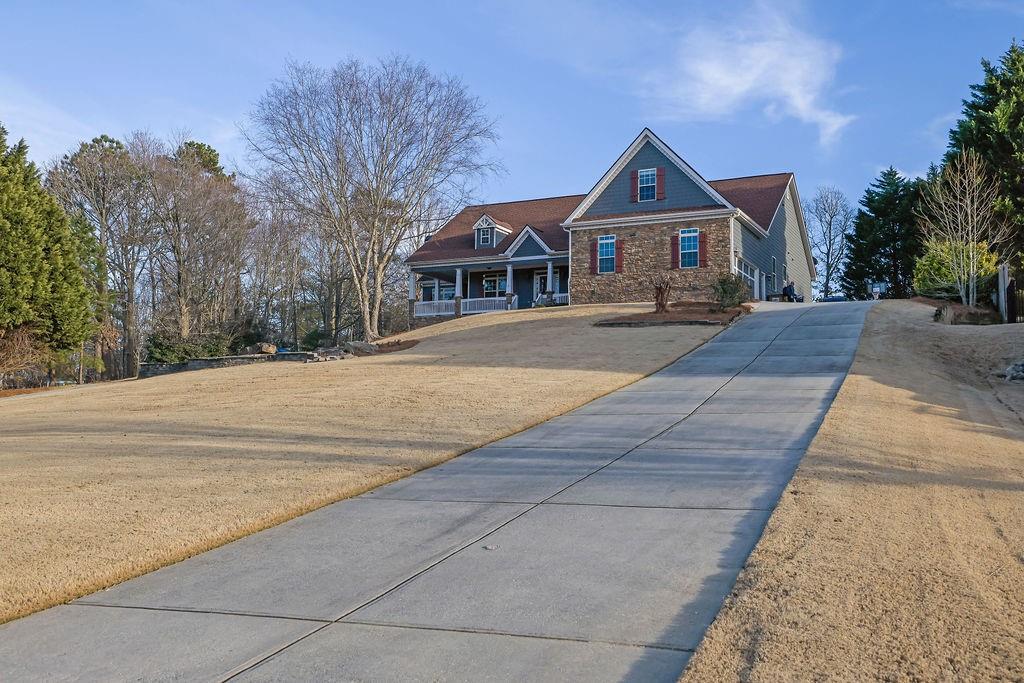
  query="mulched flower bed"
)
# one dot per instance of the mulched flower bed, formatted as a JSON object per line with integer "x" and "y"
{"x": 679, "y": 313}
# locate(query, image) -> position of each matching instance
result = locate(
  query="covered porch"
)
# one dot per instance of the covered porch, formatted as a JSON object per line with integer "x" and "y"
{"x": 472, "y": 288}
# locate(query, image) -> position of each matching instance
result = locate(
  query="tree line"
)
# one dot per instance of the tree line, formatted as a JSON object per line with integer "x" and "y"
{"x": 941, "y": 235}
{"x": 141, "y": 247}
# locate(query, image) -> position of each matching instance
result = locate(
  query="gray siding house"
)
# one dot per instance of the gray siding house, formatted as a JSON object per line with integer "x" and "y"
{"x": 650, "y": 212}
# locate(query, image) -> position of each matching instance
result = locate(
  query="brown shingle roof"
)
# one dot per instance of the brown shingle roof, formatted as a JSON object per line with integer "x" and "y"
{"x": 757, "y": 196}
{"x": 455, "y": 239}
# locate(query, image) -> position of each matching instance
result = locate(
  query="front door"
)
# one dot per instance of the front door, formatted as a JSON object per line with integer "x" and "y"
{"x": 540, "y": 283}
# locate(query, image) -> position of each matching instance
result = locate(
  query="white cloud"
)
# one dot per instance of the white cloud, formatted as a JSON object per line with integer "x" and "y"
{"x": 695, "y": 65}
{"x": 763, "y": 61}
{"x": 49, "y": 130}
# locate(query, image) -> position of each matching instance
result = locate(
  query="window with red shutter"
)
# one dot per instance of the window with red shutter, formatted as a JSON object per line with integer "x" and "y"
{"x": 634, "y": 186}
{"x": 618, "y": 256}
{"x": 661, "y": 183}
{"x": 702, "y": 249}
{"x": 675, "y": 251}
{"x": 593, "y": 257}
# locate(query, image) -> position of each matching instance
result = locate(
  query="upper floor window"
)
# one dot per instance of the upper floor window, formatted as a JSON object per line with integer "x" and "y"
{"x": 606, "y": 254}
{"x": 485, "y": 237}
{"x": 647, "y": 184}
{"x": 689, "y": 248}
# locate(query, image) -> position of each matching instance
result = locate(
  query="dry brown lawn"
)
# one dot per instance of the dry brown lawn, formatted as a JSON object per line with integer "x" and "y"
{"x": 105, "y": 482}
{"x": 897, "y": 551}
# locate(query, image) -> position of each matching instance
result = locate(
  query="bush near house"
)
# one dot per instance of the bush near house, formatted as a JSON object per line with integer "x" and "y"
{"x": 934, "y": 278}
{"x": 730, "y": 291}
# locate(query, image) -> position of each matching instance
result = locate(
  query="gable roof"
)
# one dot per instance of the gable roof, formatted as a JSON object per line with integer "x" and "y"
{"x": 544, "y": 216}
{"x": 645, "y": 136}
{"x": 758, "y": 196}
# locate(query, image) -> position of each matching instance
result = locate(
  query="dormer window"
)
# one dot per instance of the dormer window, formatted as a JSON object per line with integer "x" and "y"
{"x": 647, "y": 184}
{"x": 485, "y": 237}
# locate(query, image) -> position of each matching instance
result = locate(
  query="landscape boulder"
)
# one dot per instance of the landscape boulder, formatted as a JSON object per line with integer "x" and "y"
{"x": 359, "y": 348}
{"x": 261, "y": 347}
{"x": 1015, "y": 373}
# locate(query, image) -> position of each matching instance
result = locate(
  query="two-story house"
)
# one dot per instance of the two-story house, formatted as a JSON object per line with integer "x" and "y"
{"x": 651, "y": 212}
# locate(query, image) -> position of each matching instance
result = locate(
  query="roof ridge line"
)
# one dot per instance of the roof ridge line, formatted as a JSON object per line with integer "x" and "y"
{"x": 756, "y": 175}
{"x": 520, "y": 201}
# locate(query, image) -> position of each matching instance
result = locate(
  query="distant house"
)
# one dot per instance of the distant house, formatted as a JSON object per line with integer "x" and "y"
{"x": 651, "y": 212}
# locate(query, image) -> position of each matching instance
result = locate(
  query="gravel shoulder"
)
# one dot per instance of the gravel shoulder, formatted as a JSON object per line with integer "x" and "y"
{"x": 897, "y": 550}
{"x": 105, "y": 482}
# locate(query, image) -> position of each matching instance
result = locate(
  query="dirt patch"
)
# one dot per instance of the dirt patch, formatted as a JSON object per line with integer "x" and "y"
{"x": 4, "y": 393}
{"x": 679, "y": 313}
{"x": 897, "y": 551}
{"x": 104, "y": 482}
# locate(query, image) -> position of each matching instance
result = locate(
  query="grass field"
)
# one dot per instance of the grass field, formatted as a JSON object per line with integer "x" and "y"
{"x": 104, "y": 482}
{"x": 897, "y": 550}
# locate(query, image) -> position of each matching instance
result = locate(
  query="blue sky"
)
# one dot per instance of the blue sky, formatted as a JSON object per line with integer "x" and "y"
{"x": 834, "y": 91}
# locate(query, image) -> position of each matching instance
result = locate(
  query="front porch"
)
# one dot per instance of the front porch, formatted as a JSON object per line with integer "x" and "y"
{"x": 484, "y": 288}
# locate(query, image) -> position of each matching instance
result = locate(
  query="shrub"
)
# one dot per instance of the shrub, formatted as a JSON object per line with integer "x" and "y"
{"x": 933, "y": 276}
{"x": 661, "y": 283}
{"x": 166, "y": 349}
{"x": 731, "y": 290}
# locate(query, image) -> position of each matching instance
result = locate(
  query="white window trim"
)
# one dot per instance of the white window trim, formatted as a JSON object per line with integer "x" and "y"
{"x": 689, "y": 232}
{"x": 497, "y": 277}
{"x": 485, "y": 232}
{"x": 605, "y": 239}
{"x": 638, "y": 185}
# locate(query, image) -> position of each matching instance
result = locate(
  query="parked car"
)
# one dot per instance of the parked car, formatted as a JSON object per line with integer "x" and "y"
{"x": 833, "y": 298}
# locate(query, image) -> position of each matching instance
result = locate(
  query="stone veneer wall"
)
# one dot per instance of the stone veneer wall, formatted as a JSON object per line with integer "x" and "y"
{"x": 646, "y": 250}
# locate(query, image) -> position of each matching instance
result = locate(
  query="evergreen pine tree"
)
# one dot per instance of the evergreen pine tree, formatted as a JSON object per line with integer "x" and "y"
{"x": 886, "y": 241}
{"x": 41, "y": 279}
{"x": 992, "y": 124}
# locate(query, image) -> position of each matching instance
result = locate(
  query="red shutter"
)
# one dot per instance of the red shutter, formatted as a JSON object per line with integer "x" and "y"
{"x": 702, "y": 249}
{"x": 593, "y": 257}
{"x": 661, "y": 183}
{"x": 675, "y": 251}
{"x": 618, "y": 255}
{"x": 634, "y": 186}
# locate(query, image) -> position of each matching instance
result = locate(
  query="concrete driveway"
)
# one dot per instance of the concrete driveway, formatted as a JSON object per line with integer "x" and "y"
{"x": 596, "y": 546}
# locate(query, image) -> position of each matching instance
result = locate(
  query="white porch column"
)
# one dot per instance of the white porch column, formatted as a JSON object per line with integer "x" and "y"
{"x": 509, "y": 286}
{"x": 437, "y": 289}
{"x": 551, "y": 282}
{"x": 412, "y": 297}
{"x": 757, "y": 285}
{"x": 458, "y": 292}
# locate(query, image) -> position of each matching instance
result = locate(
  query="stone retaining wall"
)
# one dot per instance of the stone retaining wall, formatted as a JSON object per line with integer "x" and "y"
{"x": 156, "y": 369}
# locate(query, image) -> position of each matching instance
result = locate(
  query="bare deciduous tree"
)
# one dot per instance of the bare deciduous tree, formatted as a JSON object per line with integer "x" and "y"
{"x": 369, "y": 153}
{"x": 958, "y": 208}
{"x": 831, "y": 217}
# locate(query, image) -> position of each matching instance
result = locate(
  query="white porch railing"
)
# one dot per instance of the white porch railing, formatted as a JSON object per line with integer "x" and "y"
{"x": 487, "y": 304}
{"x": 426, "y": 309}
{"x": 561, "y": 299}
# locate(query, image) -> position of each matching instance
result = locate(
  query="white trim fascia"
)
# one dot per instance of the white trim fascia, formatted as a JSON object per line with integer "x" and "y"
{"x": 483, "y": 260}
{"x": 656, "y": 218}
{"x": 732, "y": 245}
{"x": 751, "y": 223}
{"x": 805, "y": 237}
{"x": 646, "y": 135}
{"x": 522, "y": 238}
{"x": 568, "y": 275}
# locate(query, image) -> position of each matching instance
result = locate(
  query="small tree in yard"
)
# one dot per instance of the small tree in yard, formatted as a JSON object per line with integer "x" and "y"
{"x": 662, "y": 285}
{"x": 730, "y": 291}
{"x": 959, "y": 210}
